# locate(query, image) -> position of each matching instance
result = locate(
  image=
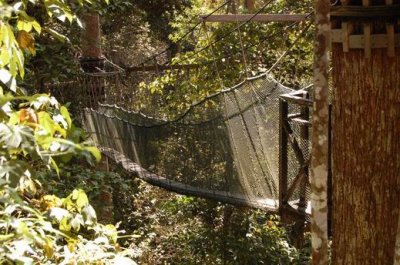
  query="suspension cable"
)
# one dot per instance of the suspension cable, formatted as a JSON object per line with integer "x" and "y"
{"x": 184, "y": 35}
{"x": 227, "y": 34}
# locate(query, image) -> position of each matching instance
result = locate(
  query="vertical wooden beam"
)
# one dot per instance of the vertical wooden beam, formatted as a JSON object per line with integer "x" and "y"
{"x": 390, "y": 34}
{"x": 367, "y": 34}
{"x": 283, "y": 155}
{"x": 346, "y": 31}
{"x": 319, "y": 152}
{"x": 304, "y": 134}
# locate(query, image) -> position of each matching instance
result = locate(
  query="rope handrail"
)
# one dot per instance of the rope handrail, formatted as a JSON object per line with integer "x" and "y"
{"x": 197, "y": 103}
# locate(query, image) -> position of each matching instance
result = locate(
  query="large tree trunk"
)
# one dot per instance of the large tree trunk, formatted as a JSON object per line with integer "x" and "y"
{"x": 366, "y": 156}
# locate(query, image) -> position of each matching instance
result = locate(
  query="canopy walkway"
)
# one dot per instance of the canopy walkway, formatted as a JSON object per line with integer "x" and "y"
{"x": 226, "y": 147}
{"x": 245, "y": 145}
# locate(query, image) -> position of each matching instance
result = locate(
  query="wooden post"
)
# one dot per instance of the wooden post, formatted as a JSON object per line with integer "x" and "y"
{"x": 319, "y": 153}
{"x": 304, "y": 134}
{"x": 390, "y": 34}
{"x": 367, "y": 34}
{"x": 283, "y": 156}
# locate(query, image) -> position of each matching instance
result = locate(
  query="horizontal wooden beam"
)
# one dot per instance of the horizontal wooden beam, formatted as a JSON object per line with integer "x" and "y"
{"x": 229, "y": 18}
{"x": 297, "y": 100}
{"x": 154, "y": 68}
{"x": 358, "y": 41}
{"x": 366, "y": 12}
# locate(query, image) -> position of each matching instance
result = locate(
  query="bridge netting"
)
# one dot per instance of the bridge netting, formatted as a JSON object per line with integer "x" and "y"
{"x": 223, "y": 147}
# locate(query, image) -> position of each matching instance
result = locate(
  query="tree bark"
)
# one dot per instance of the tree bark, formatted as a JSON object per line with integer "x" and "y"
{"x": 319, "y": 139}
{"x": 366, "y": 156}
{"x": 91, "y": 37}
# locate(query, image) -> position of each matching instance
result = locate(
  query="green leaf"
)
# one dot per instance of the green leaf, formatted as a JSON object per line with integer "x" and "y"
{"x": 59, "y": 213}
{"x": 55, "y": 166}
{"x": 13, "y": 170}
{"x": 76, "y": 222}
{"x": 22, "y": 24}
{"x": 95, "y": 152}
{"x": 18, "y": 136}
{"x": 6, "y": 237}
{"x": 49, "y": 125}
{"x": 81, "y": 199}
{"x": 64, "y": 112}
{"x": 65, "y": 225}
{"x": 90, "y": 214}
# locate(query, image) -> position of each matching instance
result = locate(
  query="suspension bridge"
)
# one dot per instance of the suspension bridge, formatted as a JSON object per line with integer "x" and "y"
{"x": 246, "y": 145}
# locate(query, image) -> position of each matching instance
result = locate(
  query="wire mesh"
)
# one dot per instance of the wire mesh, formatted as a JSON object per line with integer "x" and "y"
{"x": 227, "y": 150}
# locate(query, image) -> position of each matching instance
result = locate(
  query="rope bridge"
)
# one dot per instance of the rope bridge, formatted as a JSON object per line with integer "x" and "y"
{"x": 225, "y": 147}
{"x": 243, "y": 145}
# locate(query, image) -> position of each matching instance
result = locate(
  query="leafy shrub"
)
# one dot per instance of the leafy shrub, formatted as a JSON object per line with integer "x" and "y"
{"x": 37, "y": 133}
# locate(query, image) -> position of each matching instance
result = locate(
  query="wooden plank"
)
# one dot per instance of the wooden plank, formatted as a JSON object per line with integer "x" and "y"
{"x": 301, "y": 121}
{"x": 345, "y": 36}
{"x": 158, "y": 67}
{"x": 358, "y": 41}
{"x": 366, "y": 12}
{"x": 232, "y": 18}
{"x": 297, "y": 100}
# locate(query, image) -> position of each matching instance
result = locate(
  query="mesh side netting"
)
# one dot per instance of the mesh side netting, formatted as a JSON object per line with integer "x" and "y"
{"x": 302, "y": 136}
{"x": 227, "y": 150}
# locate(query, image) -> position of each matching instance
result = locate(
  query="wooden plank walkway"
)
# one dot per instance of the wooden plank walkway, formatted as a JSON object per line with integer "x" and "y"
{"x": 270, "y": 205}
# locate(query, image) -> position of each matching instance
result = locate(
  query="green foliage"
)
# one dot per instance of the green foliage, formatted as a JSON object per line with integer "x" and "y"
{"x": 207, "y": 232}
{"x": 222, "y": 64}
{"x": 22, "y": 22}
{"x": 55, "y": 231}
{"x": 36, "y": 132}
{"x": 96, "y": 184}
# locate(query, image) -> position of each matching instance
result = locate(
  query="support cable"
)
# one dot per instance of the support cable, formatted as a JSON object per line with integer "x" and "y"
{"x": 227, "y": 34}
{"x": 242, "y": 47}
{"x": 289, "y": 48}
{"x": 184, "y": 35}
